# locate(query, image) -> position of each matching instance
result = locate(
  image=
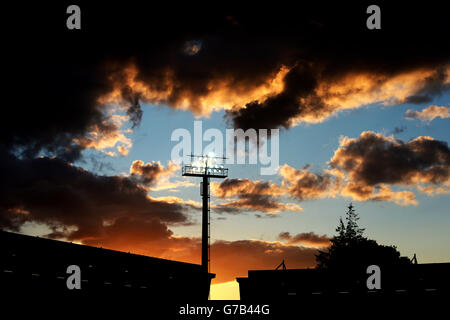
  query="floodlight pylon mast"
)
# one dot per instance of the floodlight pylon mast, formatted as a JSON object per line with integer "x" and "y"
{"x": 206, "y": 171}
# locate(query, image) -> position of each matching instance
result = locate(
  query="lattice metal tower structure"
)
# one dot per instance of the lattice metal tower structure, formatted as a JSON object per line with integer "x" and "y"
{"x": 205, "y": 167}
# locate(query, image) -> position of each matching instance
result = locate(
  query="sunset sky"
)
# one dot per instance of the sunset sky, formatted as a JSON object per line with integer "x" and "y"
{"x": 364, "y": 117}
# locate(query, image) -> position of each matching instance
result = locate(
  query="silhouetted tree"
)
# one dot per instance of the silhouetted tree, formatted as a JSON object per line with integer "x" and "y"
{"x": 350, "y": 253}
{"x": 352, "y": 231}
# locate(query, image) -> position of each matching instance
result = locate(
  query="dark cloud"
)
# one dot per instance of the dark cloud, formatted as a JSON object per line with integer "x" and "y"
{"x": 74, "y": 202}
{"x": 149, "y": 173}
{"x": 418, "y": 99}
{"x": 278, "y": 110}
{"x": 434, "y": 85}
{"x": 339, "y": 66}
{"x": 398, "y": 130}
{"x": 373, "y": 161}
{"x": 133, "y": 109}
{"x": 373, "y": 158}
{"x": 61, "y": 104}
{"x": 265, "y": 204}
{"x": 270, "y": 68}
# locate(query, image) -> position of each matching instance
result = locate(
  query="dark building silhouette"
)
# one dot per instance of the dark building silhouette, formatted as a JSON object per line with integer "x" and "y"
{"x": 32, "y": 264}
{"x": 408, "y": 280}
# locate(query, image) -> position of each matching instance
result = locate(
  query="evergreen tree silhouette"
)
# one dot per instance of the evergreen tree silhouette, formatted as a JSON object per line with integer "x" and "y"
{"x": 350, "y": 253}
{"x": 352, "y": 231}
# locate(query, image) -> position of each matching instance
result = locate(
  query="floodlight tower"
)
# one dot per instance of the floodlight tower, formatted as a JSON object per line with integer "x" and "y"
{"x": 206, "y": 168}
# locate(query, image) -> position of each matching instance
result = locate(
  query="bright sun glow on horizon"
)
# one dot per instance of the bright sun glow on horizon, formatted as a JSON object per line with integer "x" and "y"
{"x": 225, "y": 291}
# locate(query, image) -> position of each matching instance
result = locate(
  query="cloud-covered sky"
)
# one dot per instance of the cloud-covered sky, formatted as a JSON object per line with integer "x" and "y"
{"x": 364, "y": 117}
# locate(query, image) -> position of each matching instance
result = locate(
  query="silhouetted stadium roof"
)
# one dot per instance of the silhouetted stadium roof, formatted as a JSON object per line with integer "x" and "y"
{"x": 29, "y": 263}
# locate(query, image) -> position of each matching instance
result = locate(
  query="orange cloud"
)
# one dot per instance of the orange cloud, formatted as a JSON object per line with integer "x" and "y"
{"x": 305, "y": 185}
{"x": 357, "y": 89}
{"x": 150, "y": 173}
{"x": 312, "y": 96}
{"x": 154, "y": 176}
{"x": 107, "y": 135}
{"x": 234, "y": 187}
{"x": 306, "y": 238}
{"x": 284, "y": 94}
{"x": 172, "y": 199}
{"x": 220, "y": 92}
{"x": 429, "y": 114}
{"x": 382, "y": 192}
{"x": 252, "y": 196}
{"x": 256, "y": 203}
{"x": 365, "y": 169}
